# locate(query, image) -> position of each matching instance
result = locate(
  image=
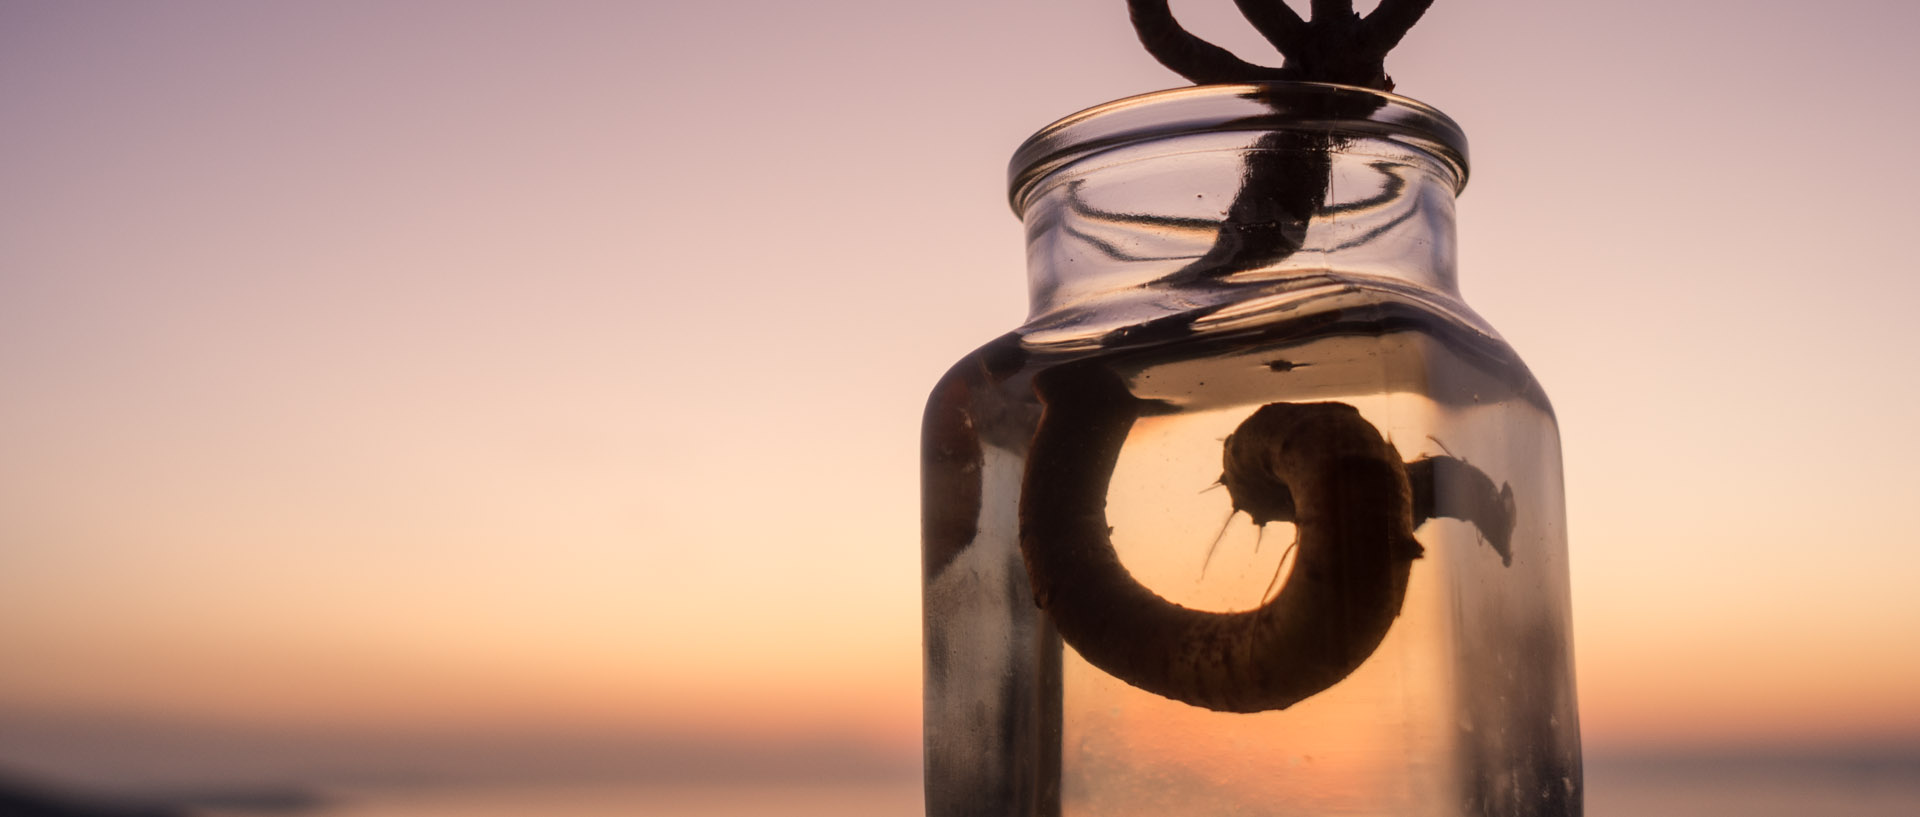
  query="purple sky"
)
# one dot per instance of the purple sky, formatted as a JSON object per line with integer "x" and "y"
{"x": 500, "y": 366}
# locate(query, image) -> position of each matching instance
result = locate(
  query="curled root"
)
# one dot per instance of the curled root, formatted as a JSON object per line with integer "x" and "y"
{"x": 1321, "y": 465}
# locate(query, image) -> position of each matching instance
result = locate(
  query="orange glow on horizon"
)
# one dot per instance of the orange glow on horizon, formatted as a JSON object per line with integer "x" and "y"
{"x": 488, "y": 366}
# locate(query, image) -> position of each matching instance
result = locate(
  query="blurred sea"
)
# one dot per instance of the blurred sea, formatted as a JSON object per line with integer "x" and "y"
{"x": 861, "y": 799}
{"x": 1857, "y": 786}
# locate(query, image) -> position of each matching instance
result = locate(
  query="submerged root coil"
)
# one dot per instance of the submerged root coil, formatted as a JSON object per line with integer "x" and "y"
{"x": 1321, "y": 466}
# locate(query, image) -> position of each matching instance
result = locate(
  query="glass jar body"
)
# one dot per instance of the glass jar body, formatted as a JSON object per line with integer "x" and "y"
{"x": 1253, "y": 515}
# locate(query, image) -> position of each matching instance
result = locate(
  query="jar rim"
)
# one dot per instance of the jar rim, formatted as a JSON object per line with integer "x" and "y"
{"x": 1262, "y": 106}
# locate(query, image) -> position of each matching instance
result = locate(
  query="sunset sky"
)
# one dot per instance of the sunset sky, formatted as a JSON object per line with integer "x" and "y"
{"x": 482, "y": 368}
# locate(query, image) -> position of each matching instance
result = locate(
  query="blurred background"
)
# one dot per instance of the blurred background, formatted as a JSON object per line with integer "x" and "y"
{"x": 397, "y": 398}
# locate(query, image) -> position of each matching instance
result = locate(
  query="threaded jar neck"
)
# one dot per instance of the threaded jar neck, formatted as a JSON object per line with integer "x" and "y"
{"x": 1292, "y": 106}
{"x": 1193, "y": 198}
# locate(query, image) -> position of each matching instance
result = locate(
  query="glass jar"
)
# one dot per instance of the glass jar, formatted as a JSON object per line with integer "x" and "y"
{"x": 1253, "y": 515}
